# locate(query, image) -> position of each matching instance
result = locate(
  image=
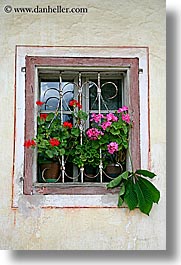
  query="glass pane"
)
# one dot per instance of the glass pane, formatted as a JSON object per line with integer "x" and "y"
{"x": 111, "y": 95}
{"x": 68, "y": 94}
{"x": 49, "y": 93}
{"x": 68, "y": 117}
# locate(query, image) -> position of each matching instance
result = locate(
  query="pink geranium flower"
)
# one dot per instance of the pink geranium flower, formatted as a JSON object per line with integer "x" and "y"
{"x": 111, "y": 117}
{"x": 93, "y": 133}
{"x": 96, "y": 117}
{"x": 112, "y": 147}
{"x": 106, "y": 124}
{"x": 126, "y": 118}
{"x": 124, "y": 108}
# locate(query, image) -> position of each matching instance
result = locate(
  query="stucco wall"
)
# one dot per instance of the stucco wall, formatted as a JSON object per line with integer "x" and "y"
{"x": 116, "y": 23}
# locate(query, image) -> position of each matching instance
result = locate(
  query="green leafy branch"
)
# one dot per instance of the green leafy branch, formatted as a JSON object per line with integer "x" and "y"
{"x": 135, "y": 190}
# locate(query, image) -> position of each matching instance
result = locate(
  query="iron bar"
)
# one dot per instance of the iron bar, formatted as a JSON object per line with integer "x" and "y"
{"x": 61, "y": 122}
{"x": 61, "y": 111}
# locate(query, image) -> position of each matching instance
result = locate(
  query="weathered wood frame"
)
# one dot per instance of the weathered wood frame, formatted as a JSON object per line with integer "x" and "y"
{"x": 133, "y": 91}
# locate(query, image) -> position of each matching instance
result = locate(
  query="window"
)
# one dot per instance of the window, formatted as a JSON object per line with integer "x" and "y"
{"x": 44, "y": 76}
{"x": 43, "y": 64}
{"x": 111, "y": 99}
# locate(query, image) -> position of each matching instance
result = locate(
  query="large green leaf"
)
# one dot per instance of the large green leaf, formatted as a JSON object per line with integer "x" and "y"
{"x": 145, "y": 200}
{"x": 122, "y": 190}
{"x": 155, "y": 193}
{"x": 115, "y": 182}
{"x": 120, "y": 201}
{"x": 145, "y": 173}
{"x": 125, "y": 174}
{"x": 130, "y": 196}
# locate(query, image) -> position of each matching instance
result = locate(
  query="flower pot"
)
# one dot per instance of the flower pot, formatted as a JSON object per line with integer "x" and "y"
{"x": 50, "y": 171}
{"x": 90, "y": 173}
{"x": 113, "y": 170}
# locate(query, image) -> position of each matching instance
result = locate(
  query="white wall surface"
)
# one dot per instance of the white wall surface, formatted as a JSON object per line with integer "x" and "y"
{"x": 117, "y": 23}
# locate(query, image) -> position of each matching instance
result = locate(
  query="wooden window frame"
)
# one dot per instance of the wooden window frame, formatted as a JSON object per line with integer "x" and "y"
{"x": 32, "y": 62}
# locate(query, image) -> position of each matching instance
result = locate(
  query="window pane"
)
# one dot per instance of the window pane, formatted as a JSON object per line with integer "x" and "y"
{"x": 68, "y": 94}
{"x": 111, "y": 95}
{"x": 49, "y": 93}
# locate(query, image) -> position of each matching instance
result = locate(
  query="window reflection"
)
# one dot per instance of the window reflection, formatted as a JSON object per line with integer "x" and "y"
{"x": 111, "y": 93}
{"x": 49, "y": 93}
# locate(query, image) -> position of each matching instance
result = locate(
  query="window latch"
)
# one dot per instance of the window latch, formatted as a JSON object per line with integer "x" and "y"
{"x": 23, "y": 69}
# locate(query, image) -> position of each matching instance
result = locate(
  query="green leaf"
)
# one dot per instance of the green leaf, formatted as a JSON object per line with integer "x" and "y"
{"x": 130, "y": 197}
{"x": 75, "y": 132}
{"x": 144, "y": 196}
{"x": 82, "y": 115}
{"x": 114, "y": 131}
{"x": 125, "y": 174}
{"x": 145, "y": 173}
{"x": 155, "y": 193}
{"x": 95, "y": 144}
{"x": 115, "y": 182}
{"x": 62, "y": 152}
{"x": 122, "y": 190}
{"x": 120, "y": 201}
{"x": 50, "y": 117}
{"x": 49, "y": 153}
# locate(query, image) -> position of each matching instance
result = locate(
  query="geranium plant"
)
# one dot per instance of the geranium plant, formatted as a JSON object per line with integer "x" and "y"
{"x": 134, "y": 189}
{"x": 107, "y": 132}
{"x": 107, "y": 139}
{"x": 54, "y": 138}
{"x": 110, "y": 132}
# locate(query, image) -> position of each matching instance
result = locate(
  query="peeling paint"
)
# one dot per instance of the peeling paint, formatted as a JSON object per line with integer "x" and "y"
{"x": 30, "y": 205}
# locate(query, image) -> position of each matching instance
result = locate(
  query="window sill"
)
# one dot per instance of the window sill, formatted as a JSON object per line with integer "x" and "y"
{"x": 72, "y": 189}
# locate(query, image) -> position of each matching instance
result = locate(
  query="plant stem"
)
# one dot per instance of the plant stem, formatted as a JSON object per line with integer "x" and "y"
{"x": 130, "y": 160}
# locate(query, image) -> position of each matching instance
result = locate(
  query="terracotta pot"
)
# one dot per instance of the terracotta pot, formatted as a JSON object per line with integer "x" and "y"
{"x": 90, "y": 173}
{"x": 50, "y": 171}
{"x": 113, "y": 170}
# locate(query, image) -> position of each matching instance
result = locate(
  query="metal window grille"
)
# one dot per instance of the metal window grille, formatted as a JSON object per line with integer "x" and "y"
{"x": 98, "y": 92}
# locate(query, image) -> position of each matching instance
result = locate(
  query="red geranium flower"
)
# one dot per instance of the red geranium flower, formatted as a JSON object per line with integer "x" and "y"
{"x": 54, "y": 142}
{"x": 39, "y": 103}
{"x": 74, "y": 103}
{"x": 29, "y": 143}
{"x": 79, "y": 105}
{"x": 43, "y": 116}
{"x": 67, "y": 124}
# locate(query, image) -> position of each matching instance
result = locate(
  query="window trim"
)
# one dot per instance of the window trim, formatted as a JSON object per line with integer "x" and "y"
{"x": 73, "y": 201}
{"x": 32, "y": 63}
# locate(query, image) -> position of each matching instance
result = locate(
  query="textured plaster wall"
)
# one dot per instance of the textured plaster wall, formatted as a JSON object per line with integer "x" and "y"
{"x": 119, "y": 23}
